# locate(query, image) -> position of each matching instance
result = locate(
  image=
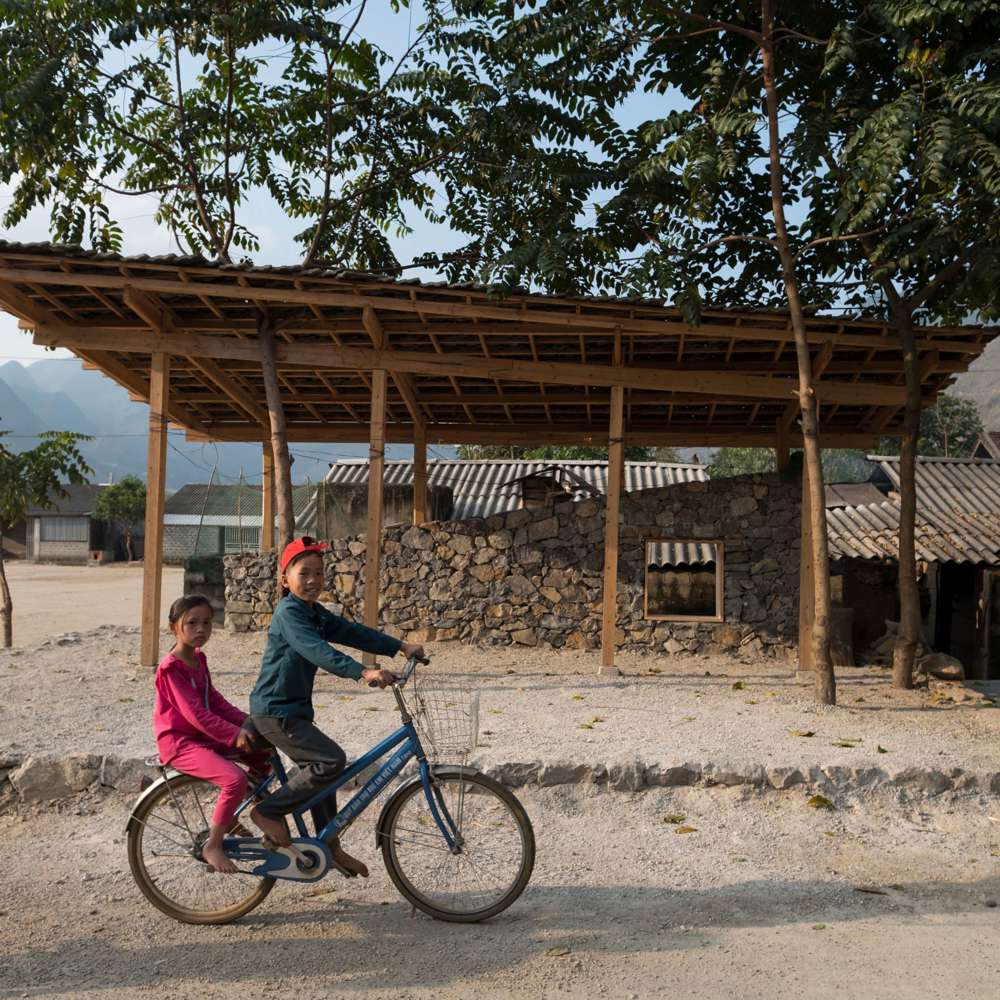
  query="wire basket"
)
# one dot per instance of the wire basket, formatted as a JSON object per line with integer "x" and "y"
{"x": 446, "y": 715}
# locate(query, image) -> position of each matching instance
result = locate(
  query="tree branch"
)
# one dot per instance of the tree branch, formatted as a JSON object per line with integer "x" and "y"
{"x": 709, "y": 22}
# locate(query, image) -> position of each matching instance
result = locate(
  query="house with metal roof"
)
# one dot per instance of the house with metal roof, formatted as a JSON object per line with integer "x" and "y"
{"x": 214, "y": 519}
{"x": 470, "y": 488}
{"x": 957, "y": 547}
{"x": 68, "y": 531}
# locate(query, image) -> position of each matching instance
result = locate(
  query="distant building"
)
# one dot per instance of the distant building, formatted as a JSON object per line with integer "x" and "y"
{"x": 988, "y": 445}
{"x": 958, "y": 555}
{"x": 221, "y": 520}
{"x": 68, "y": 531}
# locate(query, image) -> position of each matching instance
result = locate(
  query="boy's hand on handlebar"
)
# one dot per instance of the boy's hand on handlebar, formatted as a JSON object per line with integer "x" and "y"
{"x": 413, "y": 651}
{"x": 383, "y": 678}
{"x": 245, "y": 742}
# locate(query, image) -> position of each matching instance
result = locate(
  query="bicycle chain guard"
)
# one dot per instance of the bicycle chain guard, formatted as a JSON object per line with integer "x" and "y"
{"x": 281, "y": 862}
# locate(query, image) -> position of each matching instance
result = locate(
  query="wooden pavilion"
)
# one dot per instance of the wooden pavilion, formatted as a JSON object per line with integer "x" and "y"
{"x": 369, "y": 357}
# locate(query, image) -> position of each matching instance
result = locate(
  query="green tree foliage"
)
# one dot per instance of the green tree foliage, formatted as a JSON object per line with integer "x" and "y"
{"x": 728, "y": 462}
{"x": 123, "y": 504}
{"x": 181, "y": 103}
{"x": 29, "y": 479}
{"x": 948, "y": 430}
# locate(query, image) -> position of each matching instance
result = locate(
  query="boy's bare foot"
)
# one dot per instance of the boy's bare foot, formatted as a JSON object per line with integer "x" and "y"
{"x": 348, "y": 861}
{"x": 275, "y": 829}
{"x": 216, "y": 857}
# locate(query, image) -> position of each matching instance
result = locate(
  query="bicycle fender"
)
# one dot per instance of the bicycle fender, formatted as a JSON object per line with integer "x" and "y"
{"x": 147, "y": 792}
{"x": 444, "y": 770}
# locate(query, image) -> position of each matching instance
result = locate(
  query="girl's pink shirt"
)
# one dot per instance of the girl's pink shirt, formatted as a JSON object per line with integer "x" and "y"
{"x": 188, "y": 709}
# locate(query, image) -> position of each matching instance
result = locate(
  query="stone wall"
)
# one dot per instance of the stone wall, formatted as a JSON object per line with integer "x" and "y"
{"x": 534, "y": 576}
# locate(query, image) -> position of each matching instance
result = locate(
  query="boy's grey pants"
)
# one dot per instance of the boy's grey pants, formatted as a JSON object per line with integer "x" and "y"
{"x": 320, "y": 760}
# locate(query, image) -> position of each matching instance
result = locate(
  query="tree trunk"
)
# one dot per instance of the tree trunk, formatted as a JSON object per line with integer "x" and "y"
{"x": 905, "y": 649}
{"x": 826, "y": 692}
{"x": 129, "y": 551}
{"x": 279, "y": 436}
{"x": 6, "y": 605}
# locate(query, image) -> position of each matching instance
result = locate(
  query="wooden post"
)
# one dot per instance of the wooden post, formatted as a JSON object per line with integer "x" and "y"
{"x": 156, "y": 468}
{"x": 419, "y": 473}
{"x": 616, "y": 452}
{"x": 807, "y": 579}
{"x": 373, "y": 538}
{"x": 267, "y": 503}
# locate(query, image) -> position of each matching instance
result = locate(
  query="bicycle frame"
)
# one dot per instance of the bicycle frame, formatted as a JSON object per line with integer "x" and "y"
{"x": 408, "y": 742}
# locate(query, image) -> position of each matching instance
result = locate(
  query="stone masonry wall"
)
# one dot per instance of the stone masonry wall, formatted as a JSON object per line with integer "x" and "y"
{"x": 534, "y": 576}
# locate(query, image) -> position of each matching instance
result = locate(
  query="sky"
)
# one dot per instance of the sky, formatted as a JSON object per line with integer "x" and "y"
{"x": 388, "y": 29}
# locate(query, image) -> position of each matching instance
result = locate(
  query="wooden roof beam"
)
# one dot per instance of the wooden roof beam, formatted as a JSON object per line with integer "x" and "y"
{"x": 376, "y": 333}
{"x": 543, "y": 434}
{"x": 243, "y": 289}
{"x": 313, "y": 356}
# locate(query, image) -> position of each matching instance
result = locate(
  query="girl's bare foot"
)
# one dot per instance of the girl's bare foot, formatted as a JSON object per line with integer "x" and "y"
{"x": 215, "y": 856}
{"x": 348, "y": 861}
{"x": 274, "y": 829}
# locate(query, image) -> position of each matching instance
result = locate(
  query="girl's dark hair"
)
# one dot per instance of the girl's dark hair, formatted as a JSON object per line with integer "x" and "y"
{"x": 183, "y": 605}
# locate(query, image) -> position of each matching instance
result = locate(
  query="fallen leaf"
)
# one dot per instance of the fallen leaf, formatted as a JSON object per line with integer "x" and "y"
{"x": 819, "y": 927}
{"x": 873, "y": 890}
{"x": 125, "y": 701}
{"x": 829, "y": 833}
{"x": 586, "y": 725}
{"x": 496, "y": 711}
{"x": 655, "y": 670}
{"x": 804, "y": 733}
{"x": 848, "y": 744}
{"x": 739, "y": 686}
{"x": 897, "y": 887}
{"x": 880, "y": 749}
{"x": 347, "y": 697}
{"x": 820, "y": 802}
{"x": 674, "y": 818}
{"x": 859, "y": 698}
{"x": 739, "y": 861}
{"x": 686, "y": 829}
{"x": 321, "y": 891}
{"x": 749, "y": 701}
{"x": 559, "y": 951}
{"x": 369, "y": 708}
{"x": 578, "y": 697}
{"x": 689, "y": 718}
{"x": 596, "y": 718}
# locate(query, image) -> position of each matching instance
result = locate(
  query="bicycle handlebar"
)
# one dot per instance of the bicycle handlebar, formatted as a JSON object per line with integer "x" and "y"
{"x": 408, "y": 669}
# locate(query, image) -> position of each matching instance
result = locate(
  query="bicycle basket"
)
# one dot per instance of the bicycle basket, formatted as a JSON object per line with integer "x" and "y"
{"x": 446, "y": 715}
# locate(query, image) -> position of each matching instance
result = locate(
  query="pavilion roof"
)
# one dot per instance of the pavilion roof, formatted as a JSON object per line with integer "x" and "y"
{"x": 472, "y": 365}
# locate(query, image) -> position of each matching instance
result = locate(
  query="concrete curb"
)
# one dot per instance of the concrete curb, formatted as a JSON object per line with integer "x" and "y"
{"x": 38, "y": 778}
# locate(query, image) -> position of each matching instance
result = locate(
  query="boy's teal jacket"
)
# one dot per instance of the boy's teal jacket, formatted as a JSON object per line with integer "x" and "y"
{"x": 296, "y": 645}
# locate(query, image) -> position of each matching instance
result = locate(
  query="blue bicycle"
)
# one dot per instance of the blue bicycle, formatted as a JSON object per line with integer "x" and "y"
{"x": 457, "y": 844}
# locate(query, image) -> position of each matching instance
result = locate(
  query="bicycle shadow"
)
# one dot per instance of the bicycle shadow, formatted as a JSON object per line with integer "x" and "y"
{"x": 356, "y": 945}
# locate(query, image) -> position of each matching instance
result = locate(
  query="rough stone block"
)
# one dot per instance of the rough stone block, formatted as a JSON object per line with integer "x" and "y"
{"x": 626, "y": 776}
{"x": 525, "y": 637}
{"x": 540, "y": 530}
{"x": 514, "y": 774}
{"x": 784, "y": 777}
{"x": 42, "y": 778}
{"x": 563, "y": 773}
{"x": 124, "y": 774}
{"x": 672, "y": 776}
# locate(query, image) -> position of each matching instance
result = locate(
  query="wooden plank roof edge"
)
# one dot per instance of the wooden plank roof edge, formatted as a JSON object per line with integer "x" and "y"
{"x": 55, "y": 254}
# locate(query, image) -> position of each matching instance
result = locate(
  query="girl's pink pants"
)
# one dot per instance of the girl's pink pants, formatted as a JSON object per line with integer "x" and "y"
{"x": 203, "y": 762}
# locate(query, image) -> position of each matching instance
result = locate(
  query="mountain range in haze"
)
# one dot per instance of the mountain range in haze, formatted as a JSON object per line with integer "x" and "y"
{"x": 58, "y": 394}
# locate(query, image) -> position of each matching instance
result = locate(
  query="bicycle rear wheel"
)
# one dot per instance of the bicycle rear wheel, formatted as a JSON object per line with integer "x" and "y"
{"x": 497, "y": 847}
{"x": 166, "y": 833}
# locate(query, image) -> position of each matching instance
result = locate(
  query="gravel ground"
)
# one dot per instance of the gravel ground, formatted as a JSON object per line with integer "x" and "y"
{"x": 52, "y": 598}
{"x": 86, "y": 694}
{"x": 761, "y": 901}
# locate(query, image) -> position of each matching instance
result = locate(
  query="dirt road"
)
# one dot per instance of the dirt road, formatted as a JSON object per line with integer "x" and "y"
{"x": 50, "y": 598}
{"x": 761, "y": 901}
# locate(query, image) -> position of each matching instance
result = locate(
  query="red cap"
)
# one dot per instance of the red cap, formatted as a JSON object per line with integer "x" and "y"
{"x": 296, "y": 548}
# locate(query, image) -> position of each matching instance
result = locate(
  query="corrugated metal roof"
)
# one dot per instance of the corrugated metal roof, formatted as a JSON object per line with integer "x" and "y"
{"x": 80, "y": 501}
{"x": 971, "y": 485}
{"x": 852, "y": 494}
{"x": 680, "y": 553}
{"x": 225, "y": 504}
{"x": 483, "y": 487}
{"x": 871, "y": 531}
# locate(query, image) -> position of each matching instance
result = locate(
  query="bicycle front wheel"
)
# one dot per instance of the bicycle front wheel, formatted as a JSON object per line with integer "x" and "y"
{"x": 165, "y": 837}
{"x": 496, "y": 847}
